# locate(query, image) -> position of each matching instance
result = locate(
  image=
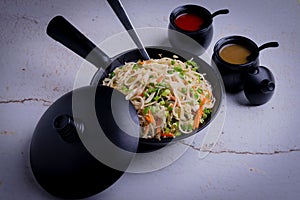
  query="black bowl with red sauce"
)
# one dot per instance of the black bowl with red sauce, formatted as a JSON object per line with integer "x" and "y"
{"x": 194, "y": 22}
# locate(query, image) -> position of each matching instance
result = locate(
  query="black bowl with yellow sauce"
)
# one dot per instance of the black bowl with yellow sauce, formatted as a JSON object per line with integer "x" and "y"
{"x": 230, "y": 56}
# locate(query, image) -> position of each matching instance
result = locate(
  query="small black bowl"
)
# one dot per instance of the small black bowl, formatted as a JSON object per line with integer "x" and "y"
{"x": 234, "y": 74}
{"x": 179, "y": 38}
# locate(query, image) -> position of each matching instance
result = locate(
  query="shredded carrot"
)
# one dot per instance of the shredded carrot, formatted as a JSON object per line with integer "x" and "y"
{"x": 167, "y": 135}
{"x": 199, "y": 115}
{"x": 160, "y": 78}
{"x": 172, "y": 98}
{"x": 158, "y": 129}
{"x": 197, "y": 119}
{"x": 151, "y": 116}
{"x": 148, "y": 118}
{"x": 141, "y": 62}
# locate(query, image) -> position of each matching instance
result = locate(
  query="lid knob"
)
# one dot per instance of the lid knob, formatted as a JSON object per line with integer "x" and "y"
{"x": 267, "y": 86}
{"x": 66, "y": 127}
{"x": 259, "y": 85}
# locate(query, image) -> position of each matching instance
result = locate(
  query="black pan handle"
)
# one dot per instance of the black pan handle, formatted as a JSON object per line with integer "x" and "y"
{"x": 64, "y": 32}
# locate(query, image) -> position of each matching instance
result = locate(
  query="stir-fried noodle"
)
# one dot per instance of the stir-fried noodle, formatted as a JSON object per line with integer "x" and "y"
{"x": 171, "y": 97}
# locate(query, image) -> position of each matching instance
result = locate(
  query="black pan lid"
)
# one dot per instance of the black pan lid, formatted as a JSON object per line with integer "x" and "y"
{"x": 84, "y": 142}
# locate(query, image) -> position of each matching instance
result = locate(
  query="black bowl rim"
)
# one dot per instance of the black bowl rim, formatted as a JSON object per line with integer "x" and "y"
{"x": 182, "y": 9}
{"x": 236, "y": 39}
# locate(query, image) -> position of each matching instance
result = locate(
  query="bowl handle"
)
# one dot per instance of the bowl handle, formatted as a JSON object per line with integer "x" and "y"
{"x": 219, "y": 12}
{"x": 64, "y": 32}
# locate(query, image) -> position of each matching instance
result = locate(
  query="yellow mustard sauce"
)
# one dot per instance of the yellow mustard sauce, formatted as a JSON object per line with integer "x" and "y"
{"x": 234, "y": 54}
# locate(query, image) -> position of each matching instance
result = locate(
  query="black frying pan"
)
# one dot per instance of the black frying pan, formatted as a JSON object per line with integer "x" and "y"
{"x": 64, "y": 32}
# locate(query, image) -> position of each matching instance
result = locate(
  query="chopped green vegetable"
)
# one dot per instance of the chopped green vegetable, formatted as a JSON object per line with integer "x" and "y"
{"x": 200, "y": 90}
{"x": 190, "y": 127}
{"x": 167, "y": 130}
{"x": 199, "y": 79}
{"x": 124, "y": 89}
{"x": 153, "y": 110}
{"x": 172, "y": 62}
{"x": 135, "y": 67}
{"x": 151, "y": 90}
{"x": 156, "y": 98}
{"x": 183, "y": 90}
{"x": 177, "y": 133}
{"x": 207, "y": 111}
{"x": 170, "y": 71}
{"x": 176, "y": 124}
{"x": 146, "y": 110}
{"x": 184, "y": 127}
{"x": 161, "y": 84}
{"x": 167, "y": 114}
{"x": 192, "y": 63}
{"x": 166, "y": 92}
{"x": 145, "y": 94}
{"x": 181, "y": 75}
{"x": 178, "y": 68}
{"x": 112, "y": 74}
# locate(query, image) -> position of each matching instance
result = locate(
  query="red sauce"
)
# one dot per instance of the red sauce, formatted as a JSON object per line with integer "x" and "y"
{"x": 189, "y": 22}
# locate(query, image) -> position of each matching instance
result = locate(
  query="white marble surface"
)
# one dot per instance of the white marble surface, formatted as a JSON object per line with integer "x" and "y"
{"x": 258, "y": 153}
